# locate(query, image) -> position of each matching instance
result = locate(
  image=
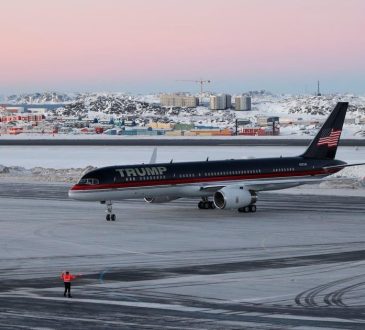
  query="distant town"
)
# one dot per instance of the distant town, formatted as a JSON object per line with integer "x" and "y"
{"x": 255, "y": 113}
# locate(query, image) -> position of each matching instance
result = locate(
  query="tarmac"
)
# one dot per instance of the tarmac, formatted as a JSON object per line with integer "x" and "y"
{"x": 298, "y": 263}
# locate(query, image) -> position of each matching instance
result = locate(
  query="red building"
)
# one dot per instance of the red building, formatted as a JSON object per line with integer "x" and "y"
{"x": 22, "y": 117}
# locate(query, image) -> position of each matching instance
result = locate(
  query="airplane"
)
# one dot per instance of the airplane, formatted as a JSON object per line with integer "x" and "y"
{"x": 231, "y": 184}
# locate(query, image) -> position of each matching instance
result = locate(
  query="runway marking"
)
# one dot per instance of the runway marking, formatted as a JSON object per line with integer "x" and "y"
{"x": 76, "y": 319}
{"x": 173, "y": 307}
{"x": 260, "y": 298}
{"x": 312, "y": 318}
{"x": 170, "y": 307}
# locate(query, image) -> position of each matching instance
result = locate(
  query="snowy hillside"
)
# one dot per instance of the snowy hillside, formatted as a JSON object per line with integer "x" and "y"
{"x": 101, "y": 105}
{"x": 40, "y": 98}
{"x": 116, "y": 105}
{"x": 121, "y": 103}
{"x": 309, "y": 105}
{"x": 142, "y": 109}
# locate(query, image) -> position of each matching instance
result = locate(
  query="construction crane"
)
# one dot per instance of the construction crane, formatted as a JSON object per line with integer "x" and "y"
{"x": 201, "y": 82}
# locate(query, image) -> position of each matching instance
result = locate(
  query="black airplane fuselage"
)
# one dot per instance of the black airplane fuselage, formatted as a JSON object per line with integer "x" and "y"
{"x": 232, "y": 184}
{"x": 203, "y": 172}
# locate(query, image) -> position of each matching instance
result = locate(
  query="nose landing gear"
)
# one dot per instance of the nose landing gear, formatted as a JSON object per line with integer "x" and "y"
{"x": 110, "y": 216}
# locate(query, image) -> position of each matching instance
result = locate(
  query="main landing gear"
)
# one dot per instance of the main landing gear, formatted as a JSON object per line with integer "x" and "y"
{"x": 205, "y": 204}
{"x": 110, "y": 216}
{"x": 250, "y": 208}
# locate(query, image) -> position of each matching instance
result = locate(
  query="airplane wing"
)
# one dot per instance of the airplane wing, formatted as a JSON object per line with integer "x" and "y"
{"x": 277, "y": 184}
{"x": 262, "y": 185}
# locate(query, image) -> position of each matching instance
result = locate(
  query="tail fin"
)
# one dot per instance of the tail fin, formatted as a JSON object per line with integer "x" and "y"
{"x": 324, "y": 145}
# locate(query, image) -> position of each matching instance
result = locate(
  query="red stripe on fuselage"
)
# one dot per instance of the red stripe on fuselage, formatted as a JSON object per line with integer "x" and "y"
{"x": 150, "y": 183}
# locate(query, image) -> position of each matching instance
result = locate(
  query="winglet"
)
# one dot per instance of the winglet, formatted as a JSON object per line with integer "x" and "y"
{"x": 154, "y": 156}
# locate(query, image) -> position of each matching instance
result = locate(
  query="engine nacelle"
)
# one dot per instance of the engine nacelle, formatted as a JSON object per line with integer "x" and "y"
{"x": 234, "y": 198}
{"x": 160, "y": 199}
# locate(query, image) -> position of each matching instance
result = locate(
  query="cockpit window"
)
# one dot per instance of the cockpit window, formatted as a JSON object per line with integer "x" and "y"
{"x": 89, "y": 181}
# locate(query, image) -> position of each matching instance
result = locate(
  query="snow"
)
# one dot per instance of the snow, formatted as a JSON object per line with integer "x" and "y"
{"x": 153, "y": 252}
{"x": 264, "y": 104}
{"x": 144, "y": 108}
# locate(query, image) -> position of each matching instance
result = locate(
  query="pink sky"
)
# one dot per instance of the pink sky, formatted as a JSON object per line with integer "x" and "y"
{"x": 145, "y": 45}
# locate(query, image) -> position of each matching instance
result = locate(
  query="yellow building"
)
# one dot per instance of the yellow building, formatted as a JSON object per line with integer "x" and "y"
{"x": 159, "y": 125}
{"x": 181, "y": 101}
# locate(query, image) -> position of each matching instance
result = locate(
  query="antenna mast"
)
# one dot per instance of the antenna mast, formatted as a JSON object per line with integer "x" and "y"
{"x": 318, "y": 92}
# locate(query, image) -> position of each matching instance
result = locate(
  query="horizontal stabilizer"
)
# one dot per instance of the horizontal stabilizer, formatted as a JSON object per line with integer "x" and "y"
{"x": 342, "y": 166}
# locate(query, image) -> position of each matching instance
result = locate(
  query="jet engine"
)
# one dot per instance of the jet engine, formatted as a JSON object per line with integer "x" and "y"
{"x": 160, "y": 199}
{"x": 234, "y": 198}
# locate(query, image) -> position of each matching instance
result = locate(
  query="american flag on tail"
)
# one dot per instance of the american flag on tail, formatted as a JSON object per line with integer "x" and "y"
{"x": 329, "y": 137}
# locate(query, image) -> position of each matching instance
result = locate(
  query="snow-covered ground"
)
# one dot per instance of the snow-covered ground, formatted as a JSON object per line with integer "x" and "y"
{"x": 294, "y": 264}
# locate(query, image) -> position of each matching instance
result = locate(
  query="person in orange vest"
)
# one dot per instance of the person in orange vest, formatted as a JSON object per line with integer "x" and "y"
{"x": 67, "y": 279}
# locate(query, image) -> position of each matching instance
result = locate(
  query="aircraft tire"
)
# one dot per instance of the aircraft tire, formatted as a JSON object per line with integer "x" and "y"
{"x": 206, "y": 205}
{"x": 108, "y": 217}
{"x": 112, "y": 218}
{"x": 252, "y": 208}
{"x": 245, "y": 209}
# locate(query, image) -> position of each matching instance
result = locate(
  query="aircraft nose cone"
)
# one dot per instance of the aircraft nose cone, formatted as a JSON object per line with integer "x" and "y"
{"x": 72, "y": 193}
